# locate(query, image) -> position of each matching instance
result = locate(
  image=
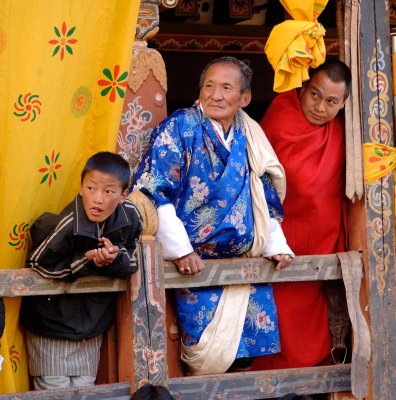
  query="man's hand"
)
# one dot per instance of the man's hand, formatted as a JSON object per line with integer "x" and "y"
{"x": 189, "y": 264}
{"x": 283, "y": 260}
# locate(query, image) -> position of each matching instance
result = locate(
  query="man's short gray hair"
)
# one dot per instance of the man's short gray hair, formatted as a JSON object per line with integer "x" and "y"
{"x": 246, "y": 71}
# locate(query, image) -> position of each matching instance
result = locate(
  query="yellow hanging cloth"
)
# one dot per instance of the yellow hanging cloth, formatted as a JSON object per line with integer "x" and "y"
{"x": 295, "y": 45}
{"x": 379, "y": 160}
{"x": 63, "y": 75}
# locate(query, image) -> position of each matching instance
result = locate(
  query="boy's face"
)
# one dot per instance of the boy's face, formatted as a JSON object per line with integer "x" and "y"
{"x": 101, "y": 193}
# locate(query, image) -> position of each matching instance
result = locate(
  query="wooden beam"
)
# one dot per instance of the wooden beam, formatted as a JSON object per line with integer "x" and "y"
{"x": 25, "y": 282}
{"x": 117, "y": 391}
{"x": 246, "y": 385}
{"x": 263, "y": 384}
{"x": 255, "y": 270}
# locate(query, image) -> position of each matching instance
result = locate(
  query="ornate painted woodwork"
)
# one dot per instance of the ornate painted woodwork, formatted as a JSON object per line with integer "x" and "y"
{"x": 376, "y": 92}
{"x": 145, "y": 98}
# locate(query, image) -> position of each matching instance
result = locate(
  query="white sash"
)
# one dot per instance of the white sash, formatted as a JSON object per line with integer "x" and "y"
{"x": 262, "y": 159}
{"x": 219, "y": 342}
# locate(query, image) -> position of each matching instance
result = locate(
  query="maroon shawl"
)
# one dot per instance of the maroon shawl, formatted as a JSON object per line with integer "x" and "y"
{"x": 313, "y": 157}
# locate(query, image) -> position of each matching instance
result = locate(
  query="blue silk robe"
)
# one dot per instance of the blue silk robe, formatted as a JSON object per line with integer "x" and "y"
{"x": 188, "y": 166}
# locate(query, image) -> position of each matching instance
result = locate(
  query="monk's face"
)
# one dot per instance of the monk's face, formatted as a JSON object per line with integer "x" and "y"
{"x": 321, "y": 98}
{"x": 221, "y": 93}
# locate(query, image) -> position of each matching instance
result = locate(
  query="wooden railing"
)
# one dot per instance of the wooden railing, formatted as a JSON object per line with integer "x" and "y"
{"x": 143, "y": 333}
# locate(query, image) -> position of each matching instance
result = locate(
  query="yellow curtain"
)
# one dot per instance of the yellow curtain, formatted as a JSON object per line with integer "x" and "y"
{"x": 63, "y": 76}
{"x": 379, "y": 161}
{"x": 295, "y": 45}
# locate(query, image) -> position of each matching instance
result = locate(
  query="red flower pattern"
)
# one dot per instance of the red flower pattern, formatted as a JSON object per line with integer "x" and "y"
{"x": 64, "y": 41}
{"x": 50, "y": 171}
{"x": 114, "y": 84}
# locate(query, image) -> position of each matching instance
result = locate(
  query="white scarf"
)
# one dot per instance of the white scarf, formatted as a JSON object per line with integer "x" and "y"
{"x": 218, "y": 345}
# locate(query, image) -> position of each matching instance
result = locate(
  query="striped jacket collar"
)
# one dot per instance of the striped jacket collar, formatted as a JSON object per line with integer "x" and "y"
{"x": 84, "y": 227}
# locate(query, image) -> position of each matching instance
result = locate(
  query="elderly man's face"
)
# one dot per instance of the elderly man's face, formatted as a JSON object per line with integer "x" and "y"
{"x": 221, "y": 95}
{"x": 321, "y": 98}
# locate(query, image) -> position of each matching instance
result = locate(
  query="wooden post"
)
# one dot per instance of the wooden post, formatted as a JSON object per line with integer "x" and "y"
{"x": 376, "y": 85}
{"x": 149, "y": 332}
{"x": 142, "y": 343}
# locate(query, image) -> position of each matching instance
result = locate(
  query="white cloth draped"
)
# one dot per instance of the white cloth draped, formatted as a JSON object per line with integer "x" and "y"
{"x": 219, "y": 343}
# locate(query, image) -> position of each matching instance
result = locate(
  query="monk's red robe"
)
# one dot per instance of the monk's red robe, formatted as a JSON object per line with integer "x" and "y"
{"x": 314, "y": 223}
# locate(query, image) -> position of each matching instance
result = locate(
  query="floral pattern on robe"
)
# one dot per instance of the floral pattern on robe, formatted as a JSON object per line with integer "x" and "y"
{"x": 188, "y": 166}
{"x": 260, "y": 336}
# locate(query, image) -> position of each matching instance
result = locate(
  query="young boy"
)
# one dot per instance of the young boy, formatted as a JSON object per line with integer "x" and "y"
{"x": 96, "y": 233}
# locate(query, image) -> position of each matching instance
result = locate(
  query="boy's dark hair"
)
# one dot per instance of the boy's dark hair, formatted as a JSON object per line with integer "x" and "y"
{"x": 337, "y": 71}
{"x": 246, "y": 71}
{"x": 109, "y": 163}
{"x": 151, "y": 392}
{"x": 294, "y": 396}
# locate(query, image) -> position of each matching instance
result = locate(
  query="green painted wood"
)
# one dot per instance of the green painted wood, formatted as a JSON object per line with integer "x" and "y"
{"x": 117, "y": 391}
{"x": 246, "y": 386}
{"x": 255, "y": 270}
{"x": 263, "y": 384}
{"x": 149, "y": 327}
{"x": 25, "y": 282}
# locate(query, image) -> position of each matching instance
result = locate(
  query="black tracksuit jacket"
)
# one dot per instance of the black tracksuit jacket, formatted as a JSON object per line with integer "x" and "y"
{"x": 59, "y": 244}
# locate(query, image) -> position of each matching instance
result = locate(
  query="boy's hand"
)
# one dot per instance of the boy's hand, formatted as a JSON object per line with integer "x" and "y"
{"x": 104, "y": 255}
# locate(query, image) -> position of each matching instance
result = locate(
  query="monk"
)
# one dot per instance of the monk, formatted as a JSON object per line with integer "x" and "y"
{"x": 307, "y": 135}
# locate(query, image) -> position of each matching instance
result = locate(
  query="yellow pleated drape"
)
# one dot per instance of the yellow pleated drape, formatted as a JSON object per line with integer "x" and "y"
{"x": 63, "y": 74}
{"x": 379, "y": 161}
{"x": 295, "y": 45}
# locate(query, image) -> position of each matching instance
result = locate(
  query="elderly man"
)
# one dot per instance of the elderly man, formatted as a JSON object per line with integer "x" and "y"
{"x": 304, "y": 128}
{"x": 217, "y": 185}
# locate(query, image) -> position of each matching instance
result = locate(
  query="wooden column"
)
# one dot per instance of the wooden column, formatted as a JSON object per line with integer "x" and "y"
{"x": 148, "y": 322}
{"x": 141, "y": 318}
{"x": 145, "y": 98}
{"x": 376, "y": 93}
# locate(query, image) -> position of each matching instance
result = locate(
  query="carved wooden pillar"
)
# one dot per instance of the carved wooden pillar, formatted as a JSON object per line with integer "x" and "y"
{"x": 145, "y": 98}
{"x": 378, "y": 127}
{"x": 144, "y": 107}
{"x": 141, "y": 318}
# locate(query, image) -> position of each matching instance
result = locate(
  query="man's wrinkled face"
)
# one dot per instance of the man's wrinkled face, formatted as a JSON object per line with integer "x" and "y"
{"x": 321, "y": 98}
{"x": 101, "y": 193}
{"x": 221, "y": 93}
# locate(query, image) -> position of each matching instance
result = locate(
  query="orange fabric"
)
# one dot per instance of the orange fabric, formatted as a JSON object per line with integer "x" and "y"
{"x": 314, "y": 223}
